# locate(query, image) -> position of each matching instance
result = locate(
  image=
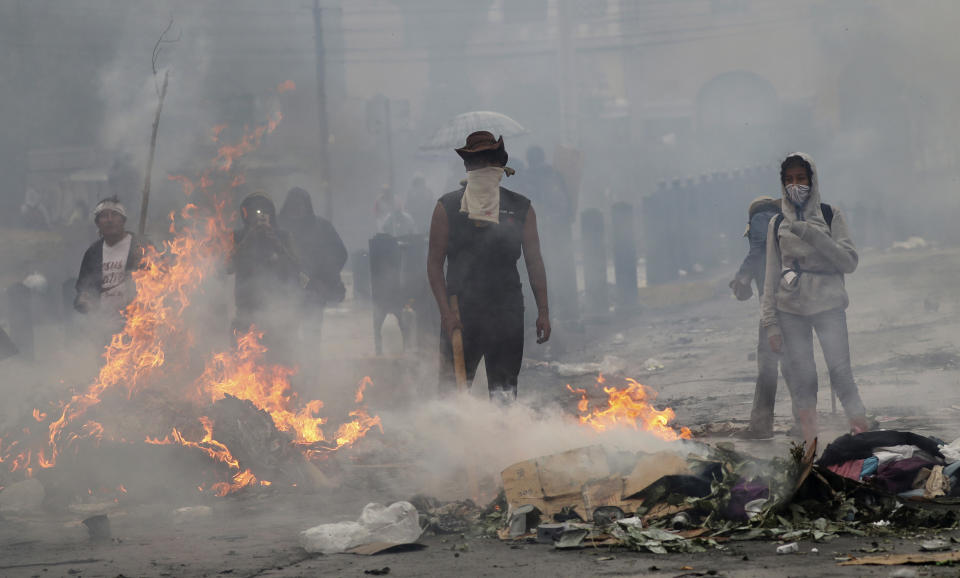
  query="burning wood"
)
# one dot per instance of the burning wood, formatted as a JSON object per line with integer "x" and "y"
{"x": 242, "y": 411}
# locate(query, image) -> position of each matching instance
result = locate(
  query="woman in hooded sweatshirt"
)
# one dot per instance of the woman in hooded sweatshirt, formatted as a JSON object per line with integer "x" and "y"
{"x": 808, "y": 253}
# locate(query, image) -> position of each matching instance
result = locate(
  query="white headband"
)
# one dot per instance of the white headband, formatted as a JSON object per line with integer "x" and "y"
{"x": 109, "y": 206}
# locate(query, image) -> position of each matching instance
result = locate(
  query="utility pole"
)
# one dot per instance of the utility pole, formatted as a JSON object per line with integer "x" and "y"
{"x": 569, "y": 107}
{"x": 322, "y": 128}
{"x": 388, "y": 128}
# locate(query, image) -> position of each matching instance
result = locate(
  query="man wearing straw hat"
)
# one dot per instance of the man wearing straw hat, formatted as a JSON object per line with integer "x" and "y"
{"x": 480, "y": 231}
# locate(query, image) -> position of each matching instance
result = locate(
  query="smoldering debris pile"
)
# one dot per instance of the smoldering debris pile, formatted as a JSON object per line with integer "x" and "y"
{"x": 873, "y": 483}
{"x": 238, "y": 446}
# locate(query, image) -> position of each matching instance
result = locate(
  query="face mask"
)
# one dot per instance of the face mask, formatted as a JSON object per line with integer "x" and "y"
{"x": 798, "y": 194}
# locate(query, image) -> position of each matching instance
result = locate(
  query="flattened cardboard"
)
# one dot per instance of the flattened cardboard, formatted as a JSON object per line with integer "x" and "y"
{"x": 521, "y": 484}
{"x": 567, "y": 472}
{"x": 552, "y": 483}
{"x": 581, "y": 479}
{"x": 605, "y": 492}
{"x": 650, "y": 468}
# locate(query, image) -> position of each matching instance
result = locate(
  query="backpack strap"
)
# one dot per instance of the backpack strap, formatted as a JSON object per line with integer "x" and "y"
{"x": 827, "y": 211}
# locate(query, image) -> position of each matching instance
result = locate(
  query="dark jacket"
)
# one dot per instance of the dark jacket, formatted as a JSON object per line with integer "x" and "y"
{"x": 318, "y": 246}
{"x": 264, "y": 265}
{"x": 90, "y": 280}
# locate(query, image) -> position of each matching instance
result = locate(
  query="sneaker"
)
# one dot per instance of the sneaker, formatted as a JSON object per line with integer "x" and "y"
{"x": 751, "y": 434}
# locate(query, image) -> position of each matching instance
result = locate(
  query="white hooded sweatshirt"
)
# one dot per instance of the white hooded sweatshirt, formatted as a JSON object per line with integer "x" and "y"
{"x": 819, "y": 255}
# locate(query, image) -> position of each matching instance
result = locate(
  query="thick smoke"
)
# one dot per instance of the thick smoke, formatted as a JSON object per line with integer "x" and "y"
{"x": 645, "y": 91}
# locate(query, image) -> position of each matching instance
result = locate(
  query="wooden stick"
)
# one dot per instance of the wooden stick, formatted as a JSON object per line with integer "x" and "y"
{"x": 460, "y": 369}
{"x": 145, "y": 200}
{"x": 459, "y": 364}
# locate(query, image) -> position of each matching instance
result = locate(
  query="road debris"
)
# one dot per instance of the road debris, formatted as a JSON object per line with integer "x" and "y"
{"x": 99, "y": 527}
{"x": 385, "y": 526}
{"x": 935, "y": 546}
{"x": 898, "y": 559}
{"x": 667, "y": 502}
{"x": 791, "y": 548}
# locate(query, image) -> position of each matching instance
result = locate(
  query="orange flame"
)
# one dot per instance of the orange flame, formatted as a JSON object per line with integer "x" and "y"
{"x": 216, "y": 450}
{"x": 286, "y": 87}
{"x": 227, "y": 154}
{"x": 185, "y": 183}
{"x": 43, "y": 461}
{"x": 350, "y": 432}
{"x": 630, "y": 406}
{"x": 215, "y": 132}
{"x": 242, "y": 373}
{"x": 155, "y": 331}
{"x": 241, "y": 480}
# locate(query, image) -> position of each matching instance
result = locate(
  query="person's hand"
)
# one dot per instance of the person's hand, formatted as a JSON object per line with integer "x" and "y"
{"x": 741, "y": 290}
{"x": 776, "y": 343}
{"x": 270, "y": 233}
{"x": 450, "y": 323}
{"x": 800, "y": 228}
{"x": 543, "y": 327}
{"x": 82, "y": 303}
{"x": 265, "y": 231}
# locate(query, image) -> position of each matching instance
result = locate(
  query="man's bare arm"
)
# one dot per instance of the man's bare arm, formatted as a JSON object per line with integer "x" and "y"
{"x": 537, "y": 273}
{"x": 436, "y": 255}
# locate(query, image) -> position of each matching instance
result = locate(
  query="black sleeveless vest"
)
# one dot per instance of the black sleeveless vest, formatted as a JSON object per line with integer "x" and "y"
{"x": 482, "y": 261}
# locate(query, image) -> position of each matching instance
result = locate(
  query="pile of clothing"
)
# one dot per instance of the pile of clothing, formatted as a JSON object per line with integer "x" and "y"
{"x": 902, "y": 463}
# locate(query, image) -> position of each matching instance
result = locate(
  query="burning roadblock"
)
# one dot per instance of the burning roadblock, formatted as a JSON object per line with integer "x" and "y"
{"x": 232, "y": 418}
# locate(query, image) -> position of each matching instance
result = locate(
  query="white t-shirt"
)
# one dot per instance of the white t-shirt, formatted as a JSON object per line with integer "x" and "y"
{"x": 116, "y": 292}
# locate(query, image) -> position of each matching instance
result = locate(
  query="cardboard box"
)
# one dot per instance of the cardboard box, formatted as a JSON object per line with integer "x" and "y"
{"x": 650, "y": 468}
{"x": 554, "y": 482}
{"x": 581, "y": 479}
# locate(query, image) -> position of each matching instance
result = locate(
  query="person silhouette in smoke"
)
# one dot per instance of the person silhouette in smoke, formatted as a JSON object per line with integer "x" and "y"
{"x": 321, "y": 252}
{"x": 548, "y": 191}
{"x": 420, "y": 202}
{"x": 808, "y": 252}
{"x": 480, "y": 231}
{"x": 267, "y": 291}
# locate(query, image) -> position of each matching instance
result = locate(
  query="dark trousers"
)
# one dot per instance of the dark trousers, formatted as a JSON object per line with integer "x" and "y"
{"x": 765, "y": 394}
{"x": 497, "y": 337}
{"x": 831, "y": 328}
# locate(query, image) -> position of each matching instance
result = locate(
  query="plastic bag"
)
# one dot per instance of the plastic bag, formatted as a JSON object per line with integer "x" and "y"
{"x": 398, "y": 523}
{"x": 951, "y": 451}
